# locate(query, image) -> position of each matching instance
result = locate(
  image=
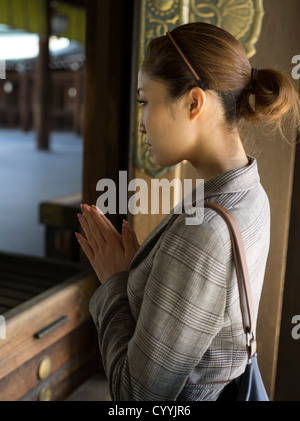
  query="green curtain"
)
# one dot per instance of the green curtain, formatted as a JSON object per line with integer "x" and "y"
{"x": 30, "y": 15}
{"x": 76, "y": 21}
{"x": 24, "y": 14}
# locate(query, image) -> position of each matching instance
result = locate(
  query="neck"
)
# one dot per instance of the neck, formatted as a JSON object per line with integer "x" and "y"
{"x": 224, "y": 153}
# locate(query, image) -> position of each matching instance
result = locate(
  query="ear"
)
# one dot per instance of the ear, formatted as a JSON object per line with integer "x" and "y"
{"x": 197, "y": 99}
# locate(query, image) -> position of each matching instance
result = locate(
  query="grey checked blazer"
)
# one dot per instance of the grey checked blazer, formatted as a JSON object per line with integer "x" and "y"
{"x": 170, "y": 328}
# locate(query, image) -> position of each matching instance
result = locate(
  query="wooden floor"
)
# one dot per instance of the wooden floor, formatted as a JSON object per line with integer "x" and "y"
{"x": 94, "y": 389}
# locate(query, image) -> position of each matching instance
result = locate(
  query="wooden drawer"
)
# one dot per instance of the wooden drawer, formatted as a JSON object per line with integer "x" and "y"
{"x": 47, "y": 324}
{"x": 57, "y": 371}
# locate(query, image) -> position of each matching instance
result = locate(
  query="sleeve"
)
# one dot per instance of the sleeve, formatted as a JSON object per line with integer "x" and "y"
{"x": 182, "y": 311}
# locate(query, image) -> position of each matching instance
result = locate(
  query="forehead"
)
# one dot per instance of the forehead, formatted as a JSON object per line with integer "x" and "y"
{"x": 148, "y": 85}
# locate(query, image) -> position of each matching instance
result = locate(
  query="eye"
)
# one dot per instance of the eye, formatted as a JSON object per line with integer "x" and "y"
{"x": 142, "y": 103}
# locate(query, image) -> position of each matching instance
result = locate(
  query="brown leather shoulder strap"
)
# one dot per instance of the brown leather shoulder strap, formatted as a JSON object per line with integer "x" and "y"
{"x": 246, "y": 301}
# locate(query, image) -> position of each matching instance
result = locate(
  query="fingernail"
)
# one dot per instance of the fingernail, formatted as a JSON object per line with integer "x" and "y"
{"x": 81, "y": 218}
{"x": 97, "y": 210}
{"x": 86, "y": 209}
{"x": 76, "y": 235}
{"x": 125, "y": 226}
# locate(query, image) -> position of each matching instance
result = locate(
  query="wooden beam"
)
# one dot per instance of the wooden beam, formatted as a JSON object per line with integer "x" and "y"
{"x": 24, "y": 100}
{"x": 42, "y": 94}
{"x": 107, "y": 99}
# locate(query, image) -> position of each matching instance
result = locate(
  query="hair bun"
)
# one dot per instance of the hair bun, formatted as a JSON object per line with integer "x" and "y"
{"x": 275, "y": 98}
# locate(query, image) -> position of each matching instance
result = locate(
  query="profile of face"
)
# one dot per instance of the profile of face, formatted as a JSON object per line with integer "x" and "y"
{"x": 166, "y": 124}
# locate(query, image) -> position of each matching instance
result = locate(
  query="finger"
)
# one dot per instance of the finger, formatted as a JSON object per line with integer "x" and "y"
{"x": 83, "y": 219}
{"x": 134, "y": 237}
{"x": 108, "y": 223}
{"x": 102, "y": 226}
{"x": 95, "y": 227}
{"x": 86, "y": 248}
{"x": 128, "y": 240}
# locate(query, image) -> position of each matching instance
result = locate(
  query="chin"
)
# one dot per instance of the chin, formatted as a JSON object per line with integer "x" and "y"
{"x": 165, "y": 162}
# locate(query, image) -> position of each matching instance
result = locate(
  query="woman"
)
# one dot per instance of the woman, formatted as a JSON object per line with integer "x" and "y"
{"x": 167, "y": 312}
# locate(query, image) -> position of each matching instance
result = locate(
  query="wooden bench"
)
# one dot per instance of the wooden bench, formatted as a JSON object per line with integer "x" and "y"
{"x": 59, "y": 216}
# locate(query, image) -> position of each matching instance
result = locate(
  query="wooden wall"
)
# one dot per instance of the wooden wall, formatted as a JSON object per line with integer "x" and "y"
{"x": 279, "y": 42}
{"x": 287, "y": 385}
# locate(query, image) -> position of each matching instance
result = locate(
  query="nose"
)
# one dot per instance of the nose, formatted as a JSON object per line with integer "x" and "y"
{"x": 142, "y": 128}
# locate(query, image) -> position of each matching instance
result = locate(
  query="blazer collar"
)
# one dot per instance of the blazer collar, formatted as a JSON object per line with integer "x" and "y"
{"x": 234, "y": 181}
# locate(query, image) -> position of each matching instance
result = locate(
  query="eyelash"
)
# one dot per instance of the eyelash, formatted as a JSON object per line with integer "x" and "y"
{"x": 142, "y": 103}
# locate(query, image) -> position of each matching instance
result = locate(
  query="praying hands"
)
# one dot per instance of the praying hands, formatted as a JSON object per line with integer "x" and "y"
{"x": 108, "y": 251}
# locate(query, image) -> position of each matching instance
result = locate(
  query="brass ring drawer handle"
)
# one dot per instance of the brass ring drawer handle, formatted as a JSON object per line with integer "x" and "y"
{"x": 52, "y": 326}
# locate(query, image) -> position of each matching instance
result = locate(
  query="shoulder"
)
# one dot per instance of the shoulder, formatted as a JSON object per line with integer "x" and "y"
{"x": 208, "y": 237}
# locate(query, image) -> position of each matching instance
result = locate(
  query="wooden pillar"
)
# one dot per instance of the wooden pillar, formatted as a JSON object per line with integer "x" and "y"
{"x": 107, "y": 82}
{"x": 42, "y": 94}
{"x": 77, "y": 112}
{"x": 24, "y": 100}
{"x": 287, "y": 386}
{"x": 276, "y": 164}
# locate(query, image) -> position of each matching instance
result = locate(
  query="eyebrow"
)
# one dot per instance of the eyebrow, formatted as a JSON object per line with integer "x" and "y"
{"x": 139, "y": 90}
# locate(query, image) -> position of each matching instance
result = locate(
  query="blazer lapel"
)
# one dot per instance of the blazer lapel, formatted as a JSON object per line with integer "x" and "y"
{"x": 150, "y": 240}
{"x": 156, "y": 233}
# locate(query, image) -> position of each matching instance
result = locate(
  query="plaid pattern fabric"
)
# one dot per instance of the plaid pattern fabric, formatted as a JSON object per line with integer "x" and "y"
{"x": 170, "y": 328}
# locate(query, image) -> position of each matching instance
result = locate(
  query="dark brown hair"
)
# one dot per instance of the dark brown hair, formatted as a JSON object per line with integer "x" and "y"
{"x": 222, "y": 64}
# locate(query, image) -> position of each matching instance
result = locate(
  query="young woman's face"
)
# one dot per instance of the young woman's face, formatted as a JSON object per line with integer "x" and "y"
{"x": 163, "y": 123}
